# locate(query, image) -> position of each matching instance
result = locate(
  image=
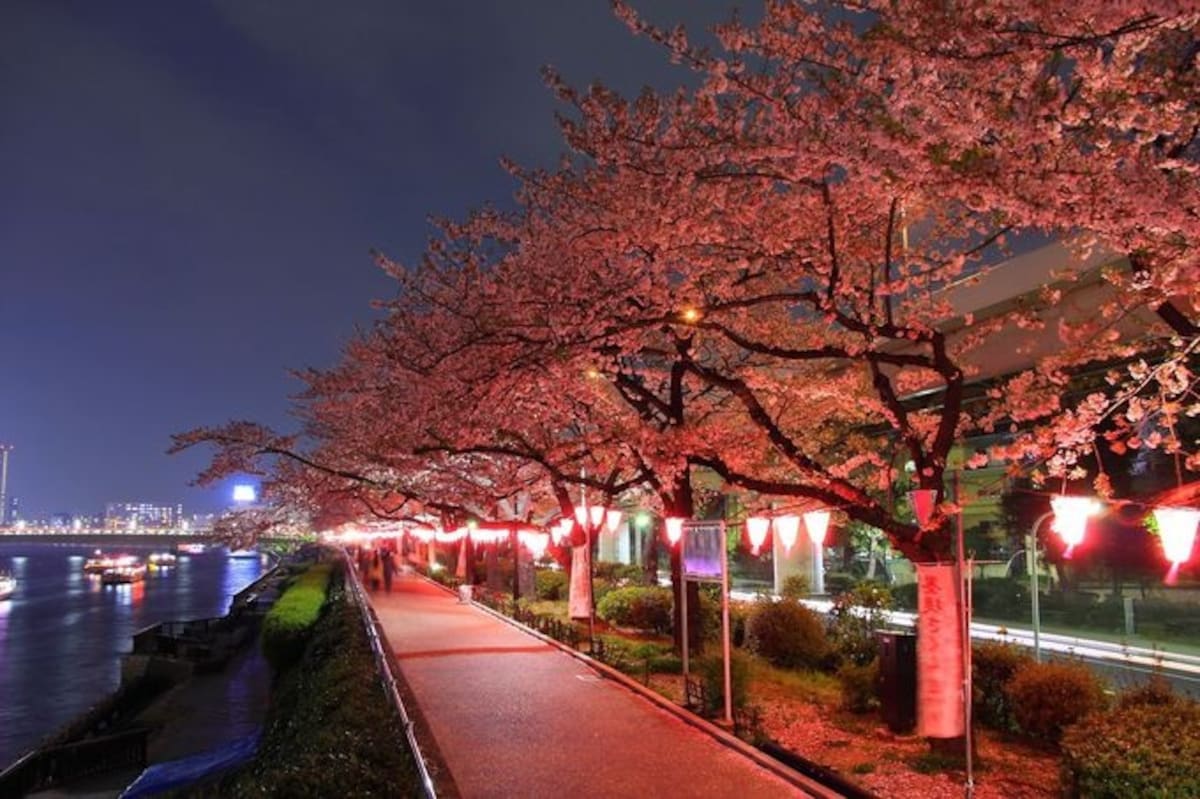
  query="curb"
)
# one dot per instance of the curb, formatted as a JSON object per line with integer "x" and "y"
{"x": 779, "y": 769}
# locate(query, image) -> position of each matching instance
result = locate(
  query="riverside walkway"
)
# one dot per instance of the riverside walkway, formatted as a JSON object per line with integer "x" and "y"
{"x": 513, "y": 716}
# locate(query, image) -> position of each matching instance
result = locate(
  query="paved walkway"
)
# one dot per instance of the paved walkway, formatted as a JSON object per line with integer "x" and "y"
{"x": 516, "y": 717}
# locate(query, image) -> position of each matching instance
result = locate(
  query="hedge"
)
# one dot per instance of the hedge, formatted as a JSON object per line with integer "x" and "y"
{"x": 287, "y": 626}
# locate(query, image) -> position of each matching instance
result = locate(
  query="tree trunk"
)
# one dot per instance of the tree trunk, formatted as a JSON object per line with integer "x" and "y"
{"x": 650, "y": 557}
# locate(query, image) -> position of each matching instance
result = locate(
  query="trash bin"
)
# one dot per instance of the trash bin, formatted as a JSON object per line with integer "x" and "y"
{"x": 898, "y": 680}
{"x": 464, "y": 593}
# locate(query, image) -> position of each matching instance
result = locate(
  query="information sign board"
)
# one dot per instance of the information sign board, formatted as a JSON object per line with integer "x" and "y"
{"x": 703, "y": 546}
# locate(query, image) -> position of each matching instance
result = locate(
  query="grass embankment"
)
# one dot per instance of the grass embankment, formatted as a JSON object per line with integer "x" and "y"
{"x": 287, "y": 626}
{"x": 331, "y": 730}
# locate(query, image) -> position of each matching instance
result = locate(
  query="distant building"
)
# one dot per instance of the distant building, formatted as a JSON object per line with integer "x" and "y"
{"x": 201, "y": 522}
{"x": 125, "y": 515}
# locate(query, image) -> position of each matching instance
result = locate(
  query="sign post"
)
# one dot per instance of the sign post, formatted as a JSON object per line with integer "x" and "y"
{"x": 705, "y": 559}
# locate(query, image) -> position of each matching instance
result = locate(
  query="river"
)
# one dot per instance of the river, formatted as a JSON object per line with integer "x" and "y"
{"x": 62, "y": 632}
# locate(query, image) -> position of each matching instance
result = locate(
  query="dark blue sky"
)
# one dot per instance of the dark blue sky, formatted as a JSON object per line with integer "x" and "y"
{"x": 188, "y": 193}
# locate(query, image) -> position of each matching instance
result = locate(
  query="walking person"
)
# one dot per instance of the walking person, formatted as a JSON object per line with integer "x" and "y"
{"x": 389, "y": 568}
{"x": 376, "y": 570}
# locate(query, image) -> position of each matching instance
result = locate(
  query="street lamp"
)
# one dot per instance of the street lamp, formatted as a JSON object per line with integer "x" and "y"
{"x": 1032, "y": 562}
{"x": 1070, "y": 522}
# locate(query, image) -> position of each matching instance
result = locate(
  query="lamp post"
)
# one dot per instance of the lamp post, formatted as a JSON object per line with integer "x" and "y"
{"x": 1031, "y": 546}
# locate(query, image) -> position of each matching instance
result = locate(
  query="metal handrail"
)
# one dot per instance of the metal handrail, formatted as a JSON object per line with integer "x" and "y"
{"x": 383, "y": 665}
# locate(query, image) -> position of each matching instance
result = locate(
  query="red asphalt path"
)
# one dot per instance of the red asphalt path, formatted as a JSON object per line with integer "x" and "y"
{"x": 515, "y": 717}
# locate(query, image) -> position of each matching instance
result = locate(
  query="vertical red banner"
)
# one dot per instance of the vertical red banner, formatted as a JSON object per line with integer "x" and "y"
{"x": 939, "y": 653}
{"x": 581, "y": 593}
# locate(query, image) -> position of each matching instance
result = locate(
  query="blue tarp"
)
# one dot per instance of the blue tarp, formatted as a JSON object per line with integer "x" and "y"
{"x": 177, "y": 773}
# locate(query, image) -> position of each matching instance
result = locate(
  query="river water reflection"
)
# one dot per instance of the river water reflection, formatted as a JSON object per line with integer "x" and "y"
{"x": 62, "y": 632}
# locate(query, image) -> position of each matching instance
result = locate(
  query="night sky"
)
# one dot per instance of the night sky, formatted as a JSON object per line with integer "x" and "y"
{"x": 189, "y": 191}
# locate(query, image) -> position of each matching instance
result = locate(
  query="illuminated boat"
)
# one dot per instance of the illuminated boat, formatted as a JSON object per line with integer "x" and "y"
{"x": 101, "y": 563}
{"x": 8, "y": 585}
{"x": 242, "y": 553}
{"x": 120, "y": 575}
{"x": 194, "y": 548}
{"x": 161, "y": 560}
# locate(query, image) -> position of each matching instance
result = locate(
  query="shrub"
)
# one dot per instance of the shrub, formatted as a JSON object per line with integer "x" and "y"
{"x": 1156, "y": 692}
{"x": 619, "y": 573}
{"x": 795, "y": 586}
{"x": 905, "y": 596}
{"x": 1046, "y": 698}
{"x": 859, "y": 685}
{"x": 712, "y": 673}
{"x": 640, "y": 607}
{"x": 1001, "y": 598}
{"x": 286, "y": 627}
{"x": 853, "y": 620}
{"x": 839, "y": 582}
{"x": 550, "y": 584}
{"x": 787, "y": 634}
{"x": 992, "y": 667}
{"x": 710, "y": 613}
{"x": 739, "y": 618}
{"x": 600, "y": 589}
{"x": 1135, "y": 752}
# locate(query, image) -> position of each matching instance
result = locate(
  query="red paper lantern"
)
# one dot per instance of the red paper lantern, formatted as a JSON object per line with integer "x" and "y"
{"x": 1177, "y": 530}
{"x": 817, "y": 523}
{"x": 674, "y": 529}
{"x": 612, "y": 520}
{"x": 787, "y": 527}
{"x": 922, "y": 501}
{"x": 756, "y": 528}
{"x": 1070, "y": 519}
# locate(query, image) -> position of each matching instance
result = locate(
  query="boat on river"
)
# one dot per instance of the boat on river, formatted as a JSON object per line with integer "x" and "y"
{"x": 242, "y": 553}
{"x": 100, "y": 563}
{"x": 160, "y": 560}
{"x": 8, "y": 586}
{"x": 122, "y": 575}
{"x": 193, "y": 548}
